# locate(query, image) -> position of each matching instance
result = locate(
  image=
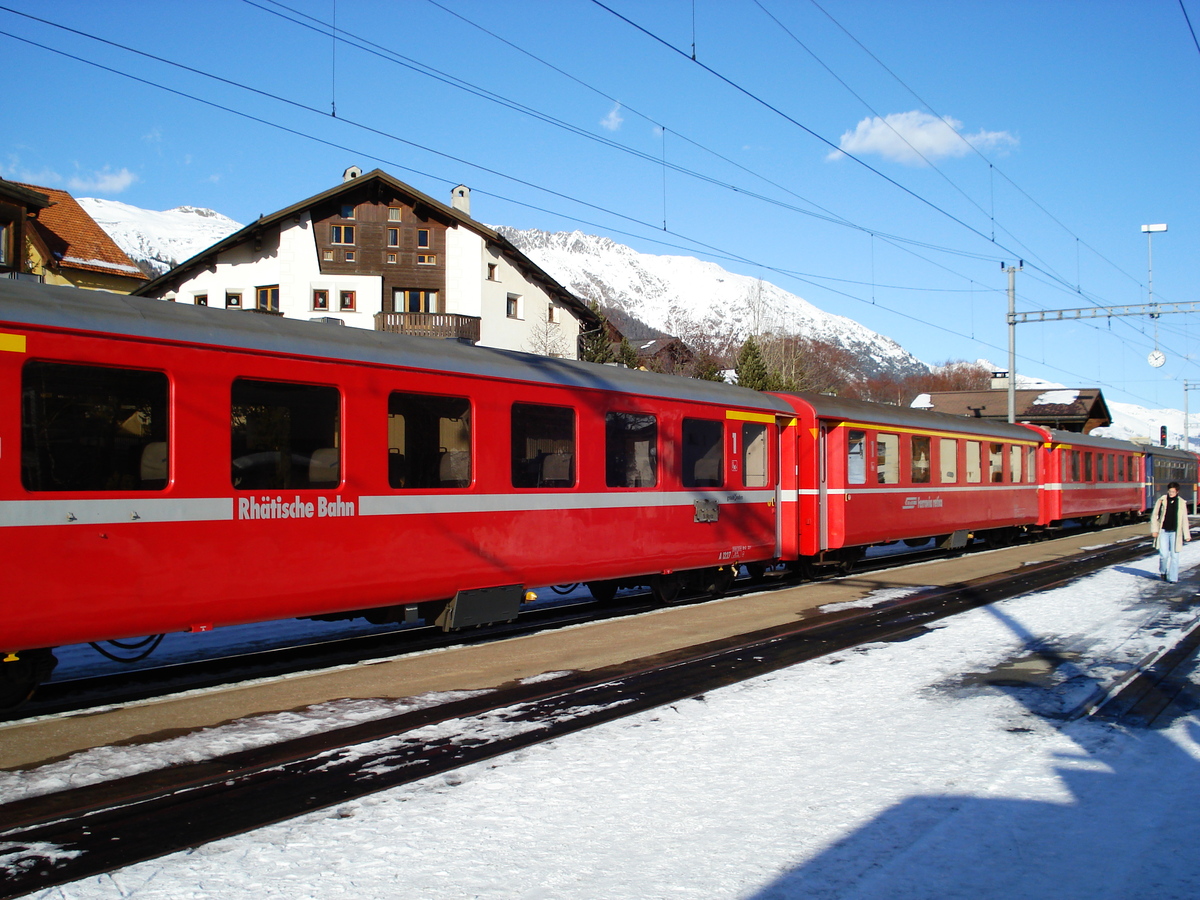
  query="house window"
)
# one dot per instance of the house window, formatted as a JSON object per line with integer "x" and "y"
{"x": 233, "y": 299}
{"x": 492, "y": 267}
{"x": 93, "y": 428}
{"x": 543, "y": 446}
{"x": 347, "y": 210}
{"x": 200, "y": 299}
{"x": 347, "y": 299}
{"x": 414, "y": 301}
{"x": 393, "y": 237}
{"x": 630, "y": 449}
{"x": 350, "y": 256}
{"x": 423, "y": 238}
{"x": 320, "y": 299}
{"x": 391, "y": 257}
{"x": 267, "y": 298}
{"x": 552, "y": 314}
{"x": 513, "y": 306}
{"x": 393, "y": 214}
{"x": 327, "y": 255}
{"x": 429, "y": 441}
{"x": 284, "y": 435}
{"x": 341, "y": 234}
{"x": 425, "y": 259}
{"x": 5, "y": 239}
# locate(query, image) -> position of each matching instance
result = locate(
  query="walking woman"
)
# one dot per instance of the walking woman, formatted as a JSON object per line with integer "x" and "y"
{"x": 1169, "y": 528}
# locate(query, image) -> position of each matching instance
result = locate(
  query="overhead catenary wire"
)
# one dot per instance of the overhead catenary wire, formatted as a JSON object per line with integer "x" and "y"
{"x": 708, "y": 248}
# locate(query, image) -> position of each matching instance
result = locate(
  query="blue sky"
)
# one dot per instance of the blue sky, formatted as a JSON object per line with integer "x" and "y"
{"x": 1050, "y": 131}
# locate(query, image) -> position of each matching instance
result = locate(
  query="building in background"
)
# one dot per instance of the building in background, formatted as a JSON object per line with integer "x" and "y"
{"x": 46, "y": 236}
{"x": 374, "y": 252}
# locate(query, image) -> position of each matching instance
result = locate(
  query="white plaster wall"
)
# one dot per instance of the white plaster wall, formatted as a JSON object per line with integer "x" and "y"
{"x": 288, "y": 258}
{"x": 465, "y": 272}
{"x": 498, "y": 330}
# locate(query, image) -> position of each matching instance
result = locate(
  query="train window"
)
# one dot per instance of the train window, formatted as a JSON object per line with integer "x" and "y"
{"x": 703, "y": 453}
{"x": 543, "y": 446}
{"x": 1014, "y": 462}
{"x": 284, "y": 435}
{"x": 1074, "y": 464}
{"x": 1111, "y": 467}
{"x": 974, "y": 469}
{"x": 856, "y": 457}
{"x": 1087, "y": 466}
{"x": 630, "y": 449}
{"x": 995, "y": 463}
{"x": 755, "y": 455}
{"x": 887, "y": 458}
{"x": 948, "y": 457}
{"x": 920, "y": 459}
{"x": 93, "y": 428}
{"x": 1030, "y": 464}
{"x": 429, "y": 441}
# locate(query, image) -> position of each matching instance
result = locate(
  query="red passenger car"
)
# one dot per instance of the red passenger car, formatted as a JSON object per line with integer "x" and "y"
{"x": 173, "y": 468}
{"x": 866, "y": 474}
{"x": 1089, "y": 479}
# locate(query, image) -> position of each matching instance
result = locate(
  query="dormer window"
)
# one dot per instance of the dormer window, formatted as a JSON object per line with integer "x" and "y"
{"x": 347, "y": 210}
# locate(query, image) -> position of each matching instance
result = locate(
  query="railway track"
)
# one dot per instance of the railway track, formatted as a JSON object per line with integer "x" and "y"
{"x": 66, "y": 836}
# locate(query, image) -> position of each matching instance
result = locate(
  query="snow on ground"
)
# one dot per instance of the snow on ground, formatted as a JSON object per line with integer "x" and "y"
{"x": 887, "y": 771}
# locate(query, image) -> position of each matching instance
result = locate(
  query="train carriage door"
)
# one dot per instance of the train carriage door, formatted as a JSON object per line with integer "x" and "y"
{"x": 823, "y": 486}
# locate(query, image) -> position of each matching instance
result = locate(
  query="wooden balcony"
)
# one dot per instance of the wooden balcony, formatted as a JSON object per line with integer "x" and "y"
{"x": 435, "y": 325}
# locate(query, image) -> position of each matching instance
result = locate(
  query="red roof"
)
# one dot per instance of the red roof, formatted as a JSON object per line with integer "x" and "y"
{"x": 75, "y": 239}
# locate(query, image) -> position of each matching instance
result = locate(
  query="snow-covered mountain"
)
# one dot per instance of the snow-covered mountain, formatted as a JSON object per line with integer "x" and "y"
{"x": 683, "y": 296}
{"x": 158, "y": 241}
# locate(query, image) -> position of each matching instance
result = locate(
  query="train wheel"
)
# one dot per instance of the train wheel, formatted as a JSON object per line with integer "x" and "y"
{"x": 667, "y": 588}
{"x": 718, "y": 581}
{"x": 603, "y": 591}
{"x": 20, "y": 677}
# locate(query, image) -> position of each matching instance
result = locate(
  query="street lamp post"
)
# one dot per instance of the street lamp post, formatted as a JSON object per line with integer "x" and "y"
{"x": 1156, "y": 358}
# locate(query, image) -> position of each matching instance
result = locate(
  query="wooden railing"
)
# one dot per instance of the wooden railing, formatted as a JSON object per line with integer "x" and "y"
{"x": 436, "y": 325}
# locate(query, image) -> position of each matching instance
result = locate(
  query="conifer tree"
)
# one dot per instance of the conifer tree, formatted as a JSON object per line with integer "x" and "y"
{"x": 627, "y": 356}
{"x": 593, "y": 343}
{"x": 751, "y": 369}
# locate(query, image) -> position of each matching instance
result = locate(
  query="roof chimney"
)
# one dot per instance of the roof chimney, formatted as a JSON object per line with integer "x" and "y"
{"x": 460, "y": 199}
{"x": 351, "y": 173}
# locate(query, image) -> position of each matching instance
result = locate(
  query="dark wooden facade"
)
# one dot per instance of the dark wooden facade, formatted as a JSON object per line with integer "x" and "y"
{"x": 394, "y": 235}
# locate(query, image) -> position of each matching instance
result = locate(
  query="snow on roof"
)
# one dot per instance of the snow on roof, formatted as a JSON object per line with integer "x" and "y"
{"x": 922, "y": 401}
{"x": 1056, "y": 398}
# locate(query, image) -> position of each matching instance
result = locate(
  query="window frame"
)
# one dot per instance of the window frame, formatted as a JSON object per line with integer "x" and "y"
{"x": 620, "y": 446}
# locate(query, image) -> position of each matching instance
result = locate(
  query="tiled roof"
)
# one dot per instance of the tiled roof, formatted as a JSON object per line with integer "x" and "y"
{"x": 76, "y": 240}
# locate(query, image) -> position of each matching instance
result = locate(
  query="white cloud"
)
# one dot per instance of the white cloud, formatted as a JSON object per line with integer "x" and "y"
{"x": 102, "y": 182}
{"x": 907, "y": 137}
{"x": 613, "y": 120}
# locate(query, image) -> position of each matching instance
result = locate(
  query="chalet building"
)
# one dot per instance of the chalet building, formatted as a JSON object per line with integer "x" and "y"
{"x": 46, "y": 236}
{"x": 374, "y": 252}
{"x": 1066, "y": 409}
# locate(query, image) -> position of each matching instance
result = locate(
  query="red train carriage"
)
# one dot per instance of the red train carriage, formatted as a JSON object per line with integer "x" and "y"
{"x": 167, "y": 468}
{"x": 1089, "y": 479}
{"x": 869, "y": 474}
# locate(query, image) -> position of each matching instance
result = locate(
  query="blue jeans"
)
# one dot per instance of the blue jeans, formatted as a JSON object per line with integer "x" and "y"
{"x": 1168, "y": 556}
